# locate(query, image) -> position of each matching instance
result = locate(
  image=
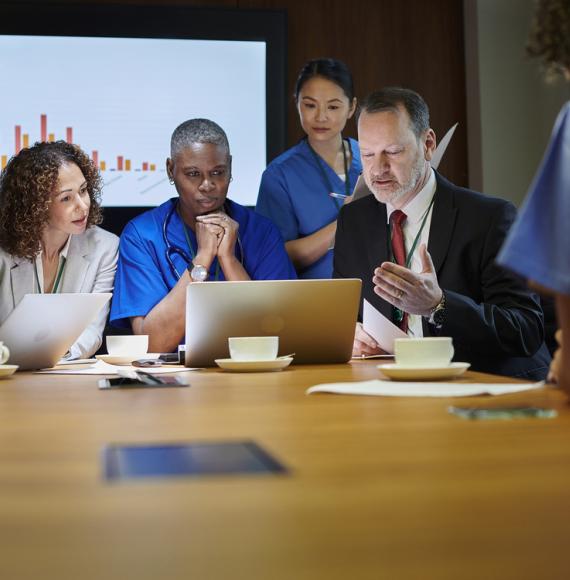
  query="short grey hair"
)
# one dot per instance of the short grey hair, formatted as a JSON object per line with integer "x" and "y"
{"x": 197, "y": 131}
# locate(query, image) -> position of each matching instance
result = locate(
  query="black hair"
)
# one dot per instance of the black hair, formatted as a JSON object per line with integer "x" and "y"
{"x": 391, "y": 98}
{"x": 330, "y": 69}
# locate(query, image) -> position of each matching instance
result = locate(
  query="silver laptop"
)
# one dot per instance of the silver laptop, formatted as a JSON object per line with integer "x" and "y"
{"x": 315, "y": 319}
{"x": 42, "y": 327}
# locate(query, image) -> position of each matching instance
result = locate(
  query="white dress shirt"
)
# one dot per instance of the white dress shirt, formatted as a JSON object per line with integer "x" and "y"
{"x": 415, "y": 211}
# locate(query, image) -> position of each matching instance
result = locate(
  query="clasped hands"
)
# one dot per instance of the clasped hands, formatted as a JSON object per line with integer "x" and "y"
{"x": 411, "y": 292}
{"x": 216, "y": 234}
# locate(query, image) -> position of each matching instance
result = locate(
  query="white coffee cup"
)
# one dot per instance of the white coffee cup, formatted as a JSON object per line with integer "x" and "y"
{"x": 127, "y": 345}
{"x": 4, "y": 353}
{"x": 253, "y": 348}
{"x": 424, "y": 352}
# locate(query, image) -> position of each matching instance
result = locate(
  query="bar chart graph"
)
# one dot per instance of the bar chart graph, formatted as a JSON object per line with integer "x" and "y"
{"x": 124, "y": 115}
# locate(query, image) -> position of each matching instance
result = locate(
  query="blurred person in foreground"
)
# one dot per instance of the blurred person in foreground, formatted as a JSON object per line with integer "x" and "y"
{"x": 49, "y": 243}
{"x": 537, "y": 246}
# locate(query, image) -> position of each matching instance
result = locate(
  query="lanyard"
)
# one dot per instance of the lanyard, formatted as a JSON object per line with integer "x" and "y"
{"x": 398, "y": 313}
{"x": 319, "y": 161}
{"x": 57, "y": 278}
{"x": 416, "y": 239}
{"x": 192, "y": 253}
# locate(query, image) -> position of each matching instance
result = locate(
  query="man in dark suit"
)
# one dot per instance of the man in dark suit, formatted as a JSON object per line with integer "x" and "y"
{"x": 455, "y": 289}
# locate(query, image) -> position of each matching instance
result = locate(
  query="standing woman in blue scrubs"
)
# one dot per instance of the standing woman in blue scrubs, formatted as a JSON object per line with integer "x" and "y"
{"x": 296, "y": 186}
{"x": 196, "y": 236}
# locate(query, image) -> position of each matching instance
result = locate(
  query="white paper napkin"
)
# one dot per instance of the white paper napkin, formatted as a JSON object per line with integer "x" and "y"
{"x": 422, "y": 389}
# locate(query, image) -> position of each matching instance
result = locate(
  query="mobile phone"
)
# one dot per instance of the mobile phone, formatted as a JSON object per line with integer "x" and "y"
{"x": 502, "y": 412}
{"x": 144, "y": 380}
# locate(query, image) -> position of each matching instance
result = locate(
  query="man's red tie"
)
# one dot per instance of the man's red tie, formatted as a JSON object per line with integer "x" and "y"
{"x": 397, "y": 219}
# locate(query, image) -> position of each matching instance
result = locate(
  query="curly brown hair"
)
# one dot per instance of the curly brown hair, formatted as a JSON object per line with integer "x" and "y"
{"x": 549, "y": 37}
{"x": 26, "y": 187}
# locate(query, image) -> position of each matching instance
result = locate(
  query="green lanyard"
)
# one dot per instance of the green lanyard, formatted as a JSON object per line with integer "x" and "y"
{"x": 319, "y": 161}
{"x": 192, "y": 253}
{"x": 398, "y": 313}
{"x": 58, "y": 277}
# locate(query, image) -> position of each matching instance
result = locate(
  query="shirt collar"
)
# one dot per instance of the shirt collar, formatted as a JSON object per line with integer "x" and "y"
{"x": 417, "y": 206}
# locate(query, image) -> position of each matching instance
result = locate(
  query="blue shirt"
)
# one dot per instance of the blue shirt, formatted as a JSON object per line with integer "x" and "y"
{"x": 538, "y": 244}
{"x": 295, "y": 196}
{"x": 144, "y": 275}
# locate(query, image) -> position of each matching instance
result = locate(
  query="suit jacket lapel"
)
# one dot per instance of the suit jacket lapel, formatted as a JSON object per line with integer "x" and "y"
{"x": 442, "y": 222}
{"x": 378, "y": 247}
{"x": 22, "y": 279}
{"x": 76, "y": 265}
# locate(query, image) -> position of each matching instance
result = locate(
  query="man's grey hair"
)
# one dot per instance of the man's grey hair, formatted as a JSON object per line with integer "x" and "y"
{"x": 197, "y": 131}
{"x": 391, "y": 98}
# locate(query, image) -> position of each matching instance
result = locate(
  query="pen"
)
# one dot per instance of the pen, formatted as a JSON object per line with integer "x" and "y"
{"x": 338, "y": 195}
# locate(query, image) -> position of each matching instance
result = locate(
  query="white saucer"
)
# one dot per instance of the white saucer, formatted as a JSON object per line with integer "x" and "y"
{"x": 125, "y": 359}
{"x": 409, "y": 373}
{"x": 253, "y": 366}
{"x": 7, "y": 370}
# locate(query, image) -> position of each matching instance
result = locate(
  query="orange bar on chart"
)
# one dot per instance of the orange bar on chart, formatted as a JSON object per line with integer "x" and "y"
{"x": 152, "y": 167}
{"x": 4, "y": 161}
{"x": 119, "y": 163}
{"x": 26, "y": 140}
{"x": 43, "y": 128}
{"x": 95, "y": 157}
{"x": 127, "y": 164}
{"x": 51, "y": 137}
{"x": 102, "y": 166}
{"x": 145, "y": 166}
{"x": 18, "y": 138}
{"x": 69, "y": 134}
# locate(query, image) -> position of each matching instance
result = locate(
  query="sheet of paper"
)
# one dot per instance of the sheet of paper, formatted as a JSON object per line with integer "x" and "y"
{"x": 422, "y": 389}
{"x": 102, "y": 368}
{"x": 382, "y": 330}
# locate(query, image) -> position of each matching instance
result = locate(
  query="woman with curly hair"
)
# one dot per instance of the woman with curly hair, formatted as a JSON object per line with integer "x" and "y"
{"x": 49, "y": 205}
{"x": 538, "y": 243}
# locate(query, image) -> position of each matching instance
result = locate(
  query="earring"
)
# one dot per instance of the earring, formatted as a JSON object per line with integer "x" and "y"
{"x": 171, "y": 181}
{"x": 231, "y": 178}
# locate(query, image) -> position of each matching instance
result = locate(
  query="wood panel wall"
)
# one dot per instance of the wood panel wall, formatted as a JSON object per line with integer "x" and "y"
{"x": 414, "y": 43}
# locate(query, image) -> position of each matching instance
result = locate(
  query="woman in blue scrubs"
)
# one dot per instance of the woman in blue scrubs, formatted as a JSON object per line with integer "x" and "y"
{"x": 199, "y": 235}
{"x": 296, "y": 187}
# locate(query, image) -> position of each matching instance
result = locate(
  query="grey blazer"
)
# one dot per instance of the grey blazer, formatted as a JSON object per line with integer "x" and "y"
{"x": 90, "y": 267}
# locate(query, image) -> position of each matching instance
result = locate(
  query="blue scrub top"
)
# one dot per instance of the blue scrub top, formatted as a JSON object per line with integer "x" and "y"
{"x": 144, "y": 276}
{"x": 295, "y": 196}
{"x": 537, "y": 245}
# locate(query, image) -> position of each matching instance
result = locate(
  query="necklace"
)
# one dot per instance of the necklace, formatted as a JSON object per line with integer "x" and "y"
{"x": 319, "y": 161}
{"x": 58, "y": 276}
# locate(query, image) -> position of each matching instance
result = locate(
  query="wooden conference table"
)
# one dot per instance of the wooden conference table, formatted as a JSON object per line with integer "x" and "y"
{"x": 389, "y": 488}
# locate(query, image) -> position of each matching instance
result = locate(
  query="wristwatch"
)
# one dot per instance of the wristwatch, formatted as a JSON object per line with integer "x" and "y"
{"x": 197, "y": 273}
{"x": 437, "y": 314}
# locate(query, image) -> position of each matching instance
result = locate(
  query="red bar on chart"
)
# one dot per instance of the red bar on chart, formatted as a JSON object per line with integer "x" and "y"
{"x": 95, "y": 157}
{"x": 145, "y": 166}
{"x": 119, "y": 163}
{"x": 43, "y": 128}
{"x": 18, "y": 138}
{"x": 69, "y": 134}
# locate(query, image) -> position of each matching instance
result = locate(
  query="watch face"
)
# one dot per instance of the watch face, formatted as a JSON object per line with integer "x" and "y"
{"x": 199, "y": 273}
{"x": 438, "y": 316}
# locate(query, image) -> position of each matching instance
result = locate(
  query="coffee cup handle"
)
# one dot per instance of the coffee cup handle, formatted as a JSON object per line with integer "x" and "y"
{"x": 4, "y": 354}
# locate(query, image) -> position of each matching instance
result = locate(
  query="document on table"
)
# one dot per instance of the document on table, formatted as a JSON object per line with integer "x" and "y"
{"x": 102, "y": 368}
{"x": 422, "y": 389}
{"x": 382, "y": 330}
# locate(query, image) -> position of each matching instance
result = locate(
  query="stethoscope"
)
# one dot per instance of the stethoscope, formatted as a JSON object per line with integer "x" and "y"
{"x": 172, "y": 250}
